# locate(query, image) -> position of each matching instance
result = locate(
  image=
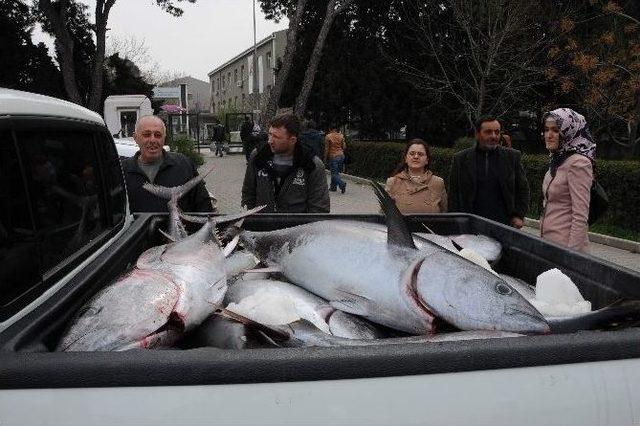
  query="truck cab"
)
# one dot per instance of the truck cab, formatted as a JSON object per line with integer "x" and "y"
{"x": 62, "y": 197}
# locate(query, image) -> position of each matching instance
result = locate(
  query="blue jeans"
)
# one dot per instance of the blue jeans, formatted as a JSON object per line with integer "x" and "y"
{"x": 335, "y": 165}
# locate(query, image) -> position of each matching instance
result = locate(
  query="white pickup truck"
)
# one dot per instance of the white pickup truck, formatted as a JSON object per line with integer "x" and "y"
{"x": 56, "y": 252}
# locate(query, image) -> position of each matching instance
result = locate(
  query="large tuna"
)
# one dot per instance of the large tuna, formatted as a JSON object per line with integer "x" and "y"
{"x": 173, "y": 288}
{"x": 391, "y": 282}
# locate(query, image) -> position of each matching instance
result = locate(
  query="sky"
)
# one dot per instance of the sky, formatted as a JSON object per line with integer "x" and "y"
{"x": 208, "y": 33}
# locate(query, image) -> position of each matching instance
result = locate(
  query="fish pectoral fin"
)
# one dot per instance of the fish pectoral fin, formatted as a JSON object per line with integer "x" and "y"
{"x": 353, "y": 304}
{"x": 167, "y": 236}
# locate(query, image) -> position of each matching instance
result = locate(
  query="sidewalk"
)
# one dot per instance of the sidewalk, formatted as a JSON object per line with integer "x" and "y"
{"x": 225, "y": 183}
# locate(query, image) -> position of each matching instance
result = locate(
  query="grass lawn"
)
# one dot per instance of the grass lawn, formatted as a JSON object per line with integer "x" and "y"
{"x": 615, "y": 231}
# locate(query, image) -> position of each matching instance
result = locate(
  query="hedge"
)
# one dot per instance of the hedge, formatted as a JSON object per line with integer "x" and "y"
{"x": 621, "y": 179}
{"x": 187, "y": 146}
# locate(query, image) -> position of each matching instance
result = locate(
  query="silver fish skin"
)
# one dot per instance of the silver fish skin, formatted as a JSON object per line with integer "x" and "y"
{"x": 356, "y": 270}
{"x": 304, "y": 334}
{"x": 348, "y": 266}
{"x": 172, "y": 289}
{"x": 301, "y": 303}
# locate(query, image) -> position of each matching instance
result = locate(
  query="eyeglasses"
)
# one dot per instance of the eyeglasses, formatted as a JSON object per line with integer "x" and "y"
{"x": 414, "y": 153}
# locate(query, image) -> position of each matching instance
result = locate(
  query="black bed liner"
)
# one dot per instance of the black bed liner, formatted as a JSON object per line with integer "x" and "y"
{"x": 26, "y": 360}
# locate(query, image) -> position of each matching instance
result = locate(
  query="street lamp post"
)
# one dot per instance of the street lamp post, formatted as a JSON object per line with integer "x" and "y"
{"x": 256, "y": 94}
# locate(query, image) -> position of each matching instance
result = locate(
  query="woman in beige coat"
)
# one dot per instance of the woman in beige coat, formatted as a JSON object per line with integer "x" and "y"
{"x": 413, "y": 187}
{"x": 566, "y": 187}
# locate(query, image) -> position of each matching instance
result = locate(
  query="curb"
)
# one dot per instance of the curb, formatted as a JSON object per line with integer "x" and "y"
{"x": 619, "y": 243}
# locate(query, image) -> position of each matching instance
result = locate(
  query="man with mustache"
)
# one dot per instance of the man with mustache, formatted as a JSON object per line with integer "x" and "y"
{"x": 488, "y": 179}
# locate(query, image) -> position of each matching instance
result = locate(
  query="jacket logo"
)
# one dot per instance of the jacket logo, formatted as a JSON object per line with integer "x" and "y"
{"x": 262, "y": 173}
{"x": 299, "y": 179}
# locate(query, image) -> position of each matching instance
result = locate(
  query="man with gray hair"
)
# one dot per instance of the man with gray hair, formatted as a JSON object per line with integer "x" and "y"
{"x": 153, "y": 164}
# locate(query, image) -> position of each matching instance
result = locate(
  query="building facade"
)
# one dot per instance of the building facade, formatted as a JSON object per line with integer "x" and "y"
{"x": 232, "y": 82}
{"x": 198, "y": 94}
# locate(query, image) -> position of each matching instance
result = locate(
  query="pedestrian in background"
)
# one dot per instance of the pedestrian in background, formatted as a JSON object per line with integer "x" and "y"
{"x": 488, "y": 179}
{"x": 566, "y": 187}
{"x": 248, "y": 143}
{"x": 312, "y": 138}
{"x": 334, "y": 154}
{"x": 285, "y": 175}
{"x": 414, "y": 187}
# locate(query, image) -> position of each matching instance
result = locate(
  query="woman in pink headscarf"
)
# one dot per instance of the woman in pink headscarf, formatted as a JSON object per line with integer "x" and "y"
{"x": 566, "y": 188}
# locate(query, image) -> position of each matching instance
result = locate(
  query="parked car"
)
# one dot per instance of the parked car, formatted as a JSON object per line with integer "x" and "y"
{"x": 54, "y": 256}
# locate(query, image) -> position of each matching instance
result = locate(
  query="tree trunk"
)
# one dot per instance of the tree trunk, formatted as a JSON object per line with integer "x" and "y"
{"x": 64, "y": 44}
{"x": 287, "y": 63}
{"x": 102, "y": 16}
{"x": 316, "y": 55}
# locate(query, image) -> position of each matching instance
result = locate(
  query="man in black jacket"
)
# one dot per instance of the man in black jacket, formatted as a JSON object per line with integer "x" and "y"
{"x": 284, "y": 175}
{"x": 153, "y": 164}
{"x": 488, "y": 179}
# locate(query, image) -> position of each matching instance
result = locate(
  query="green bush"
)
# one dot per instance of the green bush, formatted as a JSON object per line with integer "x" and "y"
{"x": 463, "y": 143}
{"x": 187, "y": 147}
{"x": 621, "y": 179}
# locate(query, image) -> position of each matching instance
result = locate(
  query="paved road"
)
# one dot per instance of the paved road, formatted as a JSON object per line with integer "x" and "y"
{"x": 225, "y": 182}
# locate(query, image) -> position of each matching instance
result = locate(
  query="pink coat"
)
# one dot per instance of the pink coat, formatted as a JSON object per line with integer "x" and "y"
{"x": 566, "y": 203}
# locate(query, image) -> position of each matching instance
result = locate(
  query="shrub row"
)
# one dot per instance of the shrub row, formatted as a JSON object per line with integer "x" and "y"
{"x": 621, "y": 179}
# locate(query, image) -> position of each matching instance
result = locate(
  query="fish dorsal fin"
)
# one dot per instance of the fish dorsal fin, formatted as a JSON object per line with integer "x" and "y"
{"x": 398, "y": 232}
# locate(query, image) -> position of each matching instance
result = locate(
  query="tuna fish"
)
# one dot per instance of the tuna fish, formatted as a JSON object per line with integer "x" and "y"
{"x": 274, "y": 302}
{"x": 302, "y": 333}
{"x": 173, "y": 288}
{"x": 392, "y": 282}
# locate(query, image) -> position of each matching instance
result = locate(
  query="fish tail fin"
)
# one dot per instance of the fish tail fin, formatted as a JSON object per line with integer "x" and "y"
{"x": 176, "y": 192}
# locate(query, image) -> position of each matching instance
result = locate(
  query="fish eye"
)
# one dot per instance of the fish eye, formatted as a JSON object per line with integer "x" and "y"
{"x": 503, "y": 289}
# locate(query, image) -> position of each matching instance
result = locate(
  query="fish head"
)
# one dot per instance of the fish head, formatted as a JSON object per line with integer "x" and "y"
{"x": 472, "y": 298}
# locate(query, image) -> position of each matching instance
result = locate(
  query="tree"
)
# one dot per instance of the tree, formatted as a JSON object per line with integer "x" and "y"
{"x": 274, "y": 10}
{"x": 29, "y": 67}
{"x": 334, "y": 8}
{"x": 596, "y": 66}
{"x": 57, "y": 13}
{"x": 123, "y": 77}
{"x": 485, "y": 57}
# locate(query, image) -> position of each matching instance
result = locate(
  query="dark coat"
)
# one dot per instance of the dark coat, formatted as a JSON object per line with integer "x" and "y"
{"x": 304, "y": 190}
{"x": 176, "y": 169}
{"x": 513, "y": 181}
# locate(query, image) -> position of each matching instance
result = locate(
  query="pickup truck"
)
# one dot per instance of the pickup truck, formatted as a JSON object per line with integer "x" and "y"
{"x": 66, "y": 232}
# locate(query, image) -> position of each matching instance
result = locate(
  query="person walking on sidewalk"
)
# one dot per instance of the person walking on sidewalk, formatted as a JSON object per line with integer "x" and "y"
{"x": 413, "y": 187}
{"x": 334, "y": 155}
{"x": 284, "y": 175}
{"x": 246, "y": 136}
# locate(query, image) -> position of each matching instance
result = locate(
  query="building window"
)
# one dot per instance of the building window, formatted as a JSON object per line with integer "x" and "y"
{"x": 269, "y": 65}
{"x": 243, "y": 99}
{"x": 223, "y": 82}
{"x": 235, "y": 75}
{"x": 242, "y": 72}
{"x": 235, "y": 101}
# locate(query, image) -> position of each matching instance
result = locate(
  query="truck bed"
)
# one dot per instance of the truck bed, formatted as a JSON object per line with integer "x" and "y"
{"x": 588, "y": 367}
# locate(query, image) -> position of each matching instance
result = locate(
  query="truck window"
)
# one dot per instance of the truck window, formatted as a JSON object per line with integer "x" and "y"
{"x": 19, "y": 254}
{"x": 114, "y": 179}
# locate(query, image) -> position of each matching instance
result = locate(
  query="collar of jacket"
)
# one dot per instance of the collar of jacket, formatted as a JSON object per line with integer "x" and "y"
{"x": 423, "y": 180}
{"x": 130, "y": 165}
{"x": 302, "y": 157}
